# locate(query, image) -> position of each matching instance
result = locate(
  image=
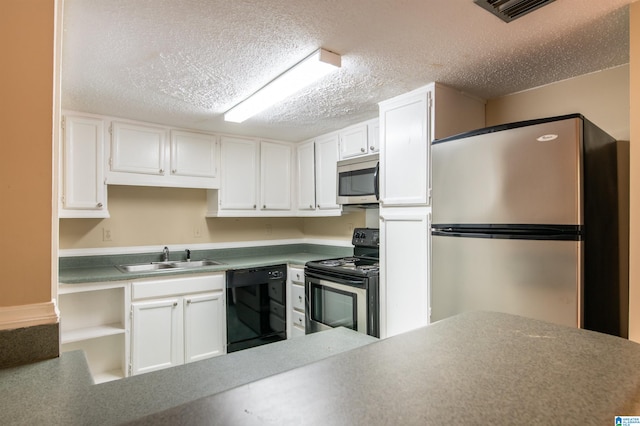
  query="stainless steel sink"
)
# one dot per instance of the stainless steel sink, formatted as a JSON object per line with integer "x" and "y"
{"x": 144, "y": 267}
{"x": 169, "y": 265}
{"x": 195, "y": 263}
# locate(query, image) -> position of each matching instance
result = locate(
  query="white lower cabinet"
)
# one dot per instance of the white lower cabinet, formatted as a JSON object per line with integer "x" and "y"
{"x": 93, "y": 319}
{"x": 404, "y": 269}
{"x": 177, "y": 320}
{"x": 295, "y": 301}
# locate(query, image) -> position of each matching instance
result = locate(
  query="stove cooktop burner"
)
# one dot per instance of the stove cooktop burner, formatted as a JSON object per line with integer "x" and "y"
{"x": 361, "y": 264}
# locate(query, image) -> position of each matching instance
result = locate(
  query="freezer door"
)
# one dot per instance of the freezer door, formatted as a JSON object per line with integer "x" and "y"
{"x": 524, "y": 175}
{"x": 531, "y": 278}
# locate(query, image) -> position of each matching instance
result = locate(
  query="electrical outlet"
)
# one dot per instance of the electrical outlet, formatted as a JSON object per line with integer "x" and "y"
{"x": 197, "y": 232}
{"x": 106, "y": 234}
{"x": 350, "y": 228}
{"x": 269, "y": 229}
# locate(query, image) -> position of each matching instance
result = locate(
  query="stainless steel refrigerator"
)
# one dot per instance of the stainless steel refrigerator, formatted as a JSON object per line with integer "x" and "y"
{"x": 525, "y": 221}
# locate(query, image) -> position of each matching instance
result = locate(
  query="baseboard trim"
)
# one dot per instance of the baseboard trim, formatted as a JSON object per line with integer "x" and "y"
{"x": 12, "y": 317}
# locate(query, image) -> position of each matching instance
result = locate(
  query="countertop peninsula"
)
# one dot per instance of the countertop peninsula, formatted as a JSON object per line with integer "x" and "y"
{"x": 476, "y": 368}
{"x": 61, "y": 392}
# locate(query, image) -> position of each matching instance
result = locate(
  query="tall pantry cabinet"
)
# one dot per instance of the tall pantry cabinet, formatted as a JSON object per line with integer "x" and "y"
{"x": 408, "y": 125}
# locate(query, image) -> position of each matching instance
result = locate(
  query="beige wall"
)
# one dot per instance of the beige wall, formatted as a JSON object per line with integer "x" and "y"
{"x": 142, "y": 216}
{"x": 602, "y": 97}
{"x": 634, "y": 249}
{"x": 26, "y": 108}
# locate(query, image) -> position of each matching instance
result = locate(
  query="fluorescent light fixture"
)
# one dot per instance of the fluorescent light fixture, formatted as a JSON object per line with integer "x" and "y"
{"x": 312, "y": 68}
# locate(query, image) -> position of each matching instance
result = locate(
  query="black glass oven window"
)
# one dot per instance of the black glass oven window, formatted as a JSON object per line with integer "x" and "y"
{"x": 333, "y": 307}
{"x": 357, "y": 182}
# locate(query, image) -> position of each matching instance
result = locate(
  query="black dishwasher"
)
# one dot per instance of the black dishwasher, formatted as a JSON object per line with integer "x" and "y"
{"x": 256, "y": 312}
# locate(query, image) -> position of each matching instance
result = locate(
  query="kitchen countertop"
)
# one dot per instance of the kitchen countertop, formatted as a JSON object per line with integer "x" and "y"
{"x": 75, "y": 270}
{"x": 475, "y": 368}
{"x": 60, "y": 391}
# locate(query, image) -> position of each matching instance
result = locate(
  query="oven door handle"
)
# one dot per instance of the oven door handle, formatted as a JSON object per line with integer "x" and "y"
{"x": 328, "y": 277}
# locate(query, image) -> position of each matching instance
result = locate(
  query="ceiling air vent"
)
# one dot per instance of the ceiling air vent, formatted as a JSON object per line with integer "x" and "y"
{"x": 508, "y": 10}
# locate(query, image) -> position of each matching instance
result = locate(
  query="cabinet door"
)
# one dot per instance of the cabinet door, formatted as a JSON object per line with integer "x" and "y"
{"x": 373, "y": 136}
{"x": 156, "y": 335}
{"x": 404, "y": 277}
{"x": 353, "y": 141}
{"x": 83, "y": 167}
{"x": 193, "y": 154}
{"x": 275, "y": 175}
{"x": 326, "y": 171}
{"x": 137, "y": 149}
{"x": 204, "y": 326}
{"x": 405, "y": 144}
{"x": 239, "y": 163}
{"x": 306, "y": 174}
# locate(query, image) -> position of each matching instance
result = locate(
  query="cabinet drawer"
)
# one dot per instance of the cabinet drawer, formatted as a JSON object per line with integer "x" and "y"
{"x": 276, "y": 291}
{"x": 298, "y": 319}
{"x": 297, "y": 275}
{"x": 297, "y": 297}
{"x": 177, "y": 286}
{"x": 277, "y": 309}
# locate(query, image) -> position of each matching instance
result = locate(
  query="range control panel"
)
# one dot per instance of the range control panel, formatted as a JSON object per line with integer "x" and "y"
{"x": 366, "y": 237}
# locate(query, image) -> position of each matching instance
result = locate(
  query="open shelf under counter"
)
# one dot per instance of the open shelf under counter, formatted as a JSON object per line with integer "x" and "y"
{"x": 87, "y": 333}
{"x": 94, "y": 318}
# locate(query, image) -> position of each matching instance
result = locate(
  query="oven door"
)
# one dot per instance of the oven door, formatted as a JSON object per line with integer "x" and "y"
{"x": 335, "y": 302}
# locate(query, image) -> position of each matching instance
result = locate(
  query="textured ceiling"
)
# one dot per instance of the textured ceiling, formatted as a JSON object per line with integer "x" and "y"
{"x": 185, "y": 62}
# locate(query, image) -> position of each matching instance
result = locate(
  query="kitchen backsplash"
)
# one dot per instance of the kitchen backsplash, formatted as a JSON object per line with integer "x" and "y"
{"x": 143, "y": 216}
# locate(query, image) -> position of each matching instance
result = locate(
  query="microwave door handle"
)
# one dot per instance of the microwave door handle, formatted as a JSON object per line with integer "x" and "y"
{"x": 376, "y": 184}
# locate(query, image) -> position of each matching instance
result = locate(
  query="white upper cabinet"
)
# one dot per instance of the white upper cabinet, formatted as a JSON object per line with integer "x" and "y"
{"x": 326, "y": 161}
{"x": 83, "y": 190}
{"x": 194, "y": 154}
{"x": 137, "y": 149}
{"x": 143, "y": 154}
{"x": 404, "y": 158}
{"x": 256, "y": 179}
{"x": 275, "y": 175}
{"x": 238, "y": 184}
{"x": 373, "y": 135}
{"x": 306, "y": 176}
{"x": 360, "y": 139}
{"x": 353, "y": 141}
{"x": 408, "y": 125}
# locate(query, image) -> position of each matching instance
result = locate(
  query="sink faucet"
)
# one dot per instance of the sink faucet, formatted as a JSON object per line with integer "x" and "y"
{"x": 188, "y": 255}
{"x": 165, "y": 254}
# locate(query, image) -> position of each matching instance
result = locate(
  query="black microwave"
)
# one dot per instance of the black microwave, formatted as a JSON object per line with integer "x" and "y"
{"x": 357, "y": 180}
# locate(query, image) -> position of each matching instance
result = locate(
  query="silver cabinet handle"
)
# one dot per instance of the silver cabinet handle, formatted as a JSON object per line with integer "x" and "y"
{"x": 99, "y": 205}
{"x": 372, "y": 148}
{"x": 161, "y": 171}
{"x": 300, "y": 298}
{"x": 188, "y": 301}
{"x": 174, "y": 171}
{"x": 175, "y": 304}
{"x": 310, "y": 206}
{"x": 264, "y": 206}
{"x": 300, "y": 320}
{"x": 362, "y": 149}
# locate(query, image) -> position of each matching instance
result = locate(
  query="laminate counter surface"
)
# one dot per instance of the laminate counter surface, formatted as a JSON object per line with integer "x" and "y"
{"x": 476, "y": 368}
